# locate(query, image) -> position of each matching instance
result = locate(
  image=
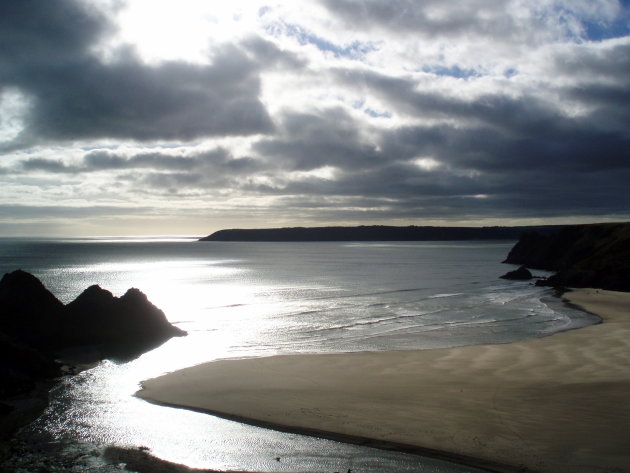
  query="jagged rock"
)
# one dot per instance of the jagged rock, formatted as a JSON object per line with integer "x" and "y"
{"x": 21, "y": 366}
{"x": 29, "y": 313}
{"x": 36, "y": 328}
{"x": 118, "y": 325}
{"x": 596, "y": 255}
{"x": 520, "y": 274}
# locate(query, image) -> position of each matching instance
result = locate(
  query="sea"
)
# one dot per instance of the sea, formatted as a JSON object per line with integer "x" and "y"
{"x": 243, "y": 299}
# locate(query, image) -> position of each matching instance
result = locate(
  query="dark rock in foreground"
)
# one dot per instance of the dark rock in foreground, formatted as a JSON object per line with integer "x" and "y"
{"x": 36, "y": 330}
{"x": 596, "y": 255}
{"x": 96, "y": 320}
{"x": 29, "y": 313}
{"x": 117, "y": 325}
{"x": 520, "y": 274}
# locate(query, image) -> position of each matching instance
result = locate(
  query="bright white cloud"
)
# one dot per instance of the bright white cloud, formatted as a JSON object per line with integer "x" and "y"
{"x": 14, "y": 108}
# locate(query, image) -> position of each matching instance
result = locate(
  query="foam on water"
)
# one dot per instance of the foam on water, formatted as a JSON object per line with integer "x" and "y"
{"x": 258, "y": 299}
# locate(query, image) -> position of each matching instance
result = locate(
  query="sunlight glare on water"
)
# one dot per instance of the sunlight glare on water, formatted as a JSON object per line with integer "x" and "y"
{"x": 240, "y": 300}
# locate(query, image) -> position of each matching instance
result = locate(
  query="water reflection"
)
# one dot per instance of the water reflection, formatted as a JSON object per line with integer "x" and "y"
{"x": 242, "y": 300}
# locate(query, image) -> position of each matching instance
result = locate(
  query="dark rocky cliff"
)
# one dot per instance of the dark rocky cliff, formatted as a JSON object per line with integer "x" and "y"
{"x": 596, "y": 255}
{"x": 119, "y": 325}
{"x": 36, "y": 329}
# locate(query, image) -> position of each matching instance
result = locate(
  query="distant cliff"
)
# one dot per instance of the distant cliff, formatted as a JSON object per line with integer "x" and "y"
{"x": 377, "y": 233}
{"x": 596, "y": 255}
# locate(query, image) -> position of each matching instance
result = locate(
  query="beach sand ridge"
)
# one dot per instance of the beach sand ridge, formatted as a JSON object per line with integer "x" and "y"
{"x": 554, "y": 404}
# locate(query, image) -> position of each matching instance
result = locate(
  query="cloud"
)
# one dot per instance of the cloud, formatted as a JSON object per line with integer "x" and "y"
{"x": 522, "y": 114}
{"x": 332, "y": 111}
{"x": 107, "y": 160}
{"x": 429, "y": 18}
{"x": 48, "y": 165}
{"x": 514, "y": 21}
{"x": 48, "y": 32}
{"x": 127, "y": 100}
{"x": 604, "y": 61}
{"x": 216, "y": 162}
{"x": 500, "y": 154}
{"x": 18, "y": 212}
{"x": 309, "y": 141}
{"x": 77, "y": 96}
{"x": 268, "y": 55}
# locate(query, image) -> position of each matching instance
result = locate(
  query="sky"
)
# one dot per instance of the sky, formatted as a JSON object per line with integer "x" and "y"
{"x": 147, "y": 117}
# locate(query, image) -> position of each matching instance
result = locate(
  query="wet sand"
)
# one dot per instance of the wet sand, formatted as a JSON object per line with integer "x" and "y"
{"x": 557, "y": 404}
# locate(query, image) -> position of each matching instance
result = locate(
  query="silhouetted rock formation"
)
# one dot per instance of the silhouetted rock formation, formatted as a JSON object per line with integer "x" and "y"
{"x": 117, "y": 324}
{"x": 29, "y": 312}
{"x": 520, "y": 274}
{"x": 376, "y": 233}
{"x": 596, "y": 255}
{"x": 21, "y": 367}
{"x": 36, "y": 329}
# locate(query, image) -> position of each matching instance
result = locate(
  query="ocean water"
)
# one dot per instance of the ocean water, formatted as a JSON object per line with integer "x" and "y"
{"x": 240, "y": 300}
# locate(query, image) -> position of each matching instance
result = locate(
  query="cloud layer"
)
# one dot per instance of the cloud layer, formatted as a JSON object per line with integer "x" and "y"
{"x": 301, "y": 113}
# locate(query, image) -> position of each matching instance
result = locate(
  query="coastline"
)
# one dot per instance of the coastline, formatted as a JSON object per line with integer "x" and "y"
{"x": 551, "y": 404}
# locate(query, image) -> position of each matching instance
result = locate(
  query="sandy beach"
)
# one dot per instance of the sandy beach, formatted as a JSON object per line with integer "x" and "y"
{"x": 556, "y": 404}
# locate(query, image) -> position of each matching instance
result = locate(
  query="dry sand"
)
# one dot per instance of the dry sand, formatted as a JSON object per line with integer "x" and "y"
{"x": 558, "y": 404}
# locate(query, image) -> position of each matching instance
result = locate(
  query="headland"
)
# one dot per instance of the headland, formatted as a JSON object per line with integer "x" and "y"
{"x": 378, "y": 233}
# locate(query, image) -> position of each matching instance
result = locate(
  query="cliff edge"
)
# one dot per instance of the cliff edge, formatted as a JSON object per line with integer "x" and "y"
{"x": 375, "y": 233}
{"x": 595, "y": 255}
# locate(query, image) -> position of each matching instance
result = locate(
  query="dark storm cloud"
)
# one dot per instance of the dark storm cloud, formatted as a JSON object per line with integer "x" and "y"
{"x": 104, "y": 160}
{"x": 576, "y": 173}
{"x": 581, "y": 149}
{"x": 48, "y": 165}
{"x": 46, "y": 55}
{"x": 65, "y": 211}
{"x": 217, "y": 162}
{"x": 611, "y": 63}
{"x": 516, "y": 115}
{"x": 598, "y": 80}
{"x": 307, "y": 141}
{"x": 268, "y": 54}
{"x": 354, "y": 209}
{"x": 504, "y": 133}
{"x": 515, "y": 152}
{"x": 46, "y": 32}
{"x": 441, "y": 195}
{"x": 609, "y": 104}
{"x": 602, "y": 95}
{"x": 505, "y": 154}
{"x": 463, "y": 18}
{"x": 397, "y": 181}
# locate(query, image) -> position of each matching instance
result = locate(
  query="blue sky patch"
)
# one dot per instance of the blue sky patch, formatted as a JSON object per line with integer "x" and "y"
{"x": 598, "y": 31}
{"x": 375, "y": 114}
{"x": 453, "y": 71}
{"x": 355, "y": 50}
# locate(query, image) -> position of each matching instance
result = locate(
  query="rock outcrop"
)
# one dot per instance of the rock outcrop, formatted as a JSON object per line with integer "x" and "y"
{"x": 520, "y": 274}
{"x": 118, "y": 325}
{"x": 36, "y": 329}
{"x": 29, "y": 313}
{"x": 596, "y": 255}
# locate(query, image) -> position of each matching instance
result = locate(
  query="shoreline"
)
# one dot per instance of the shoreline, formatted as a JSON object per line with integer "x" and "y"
{"x": 488, "y": 466}
{"x": 550, "y": 404}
